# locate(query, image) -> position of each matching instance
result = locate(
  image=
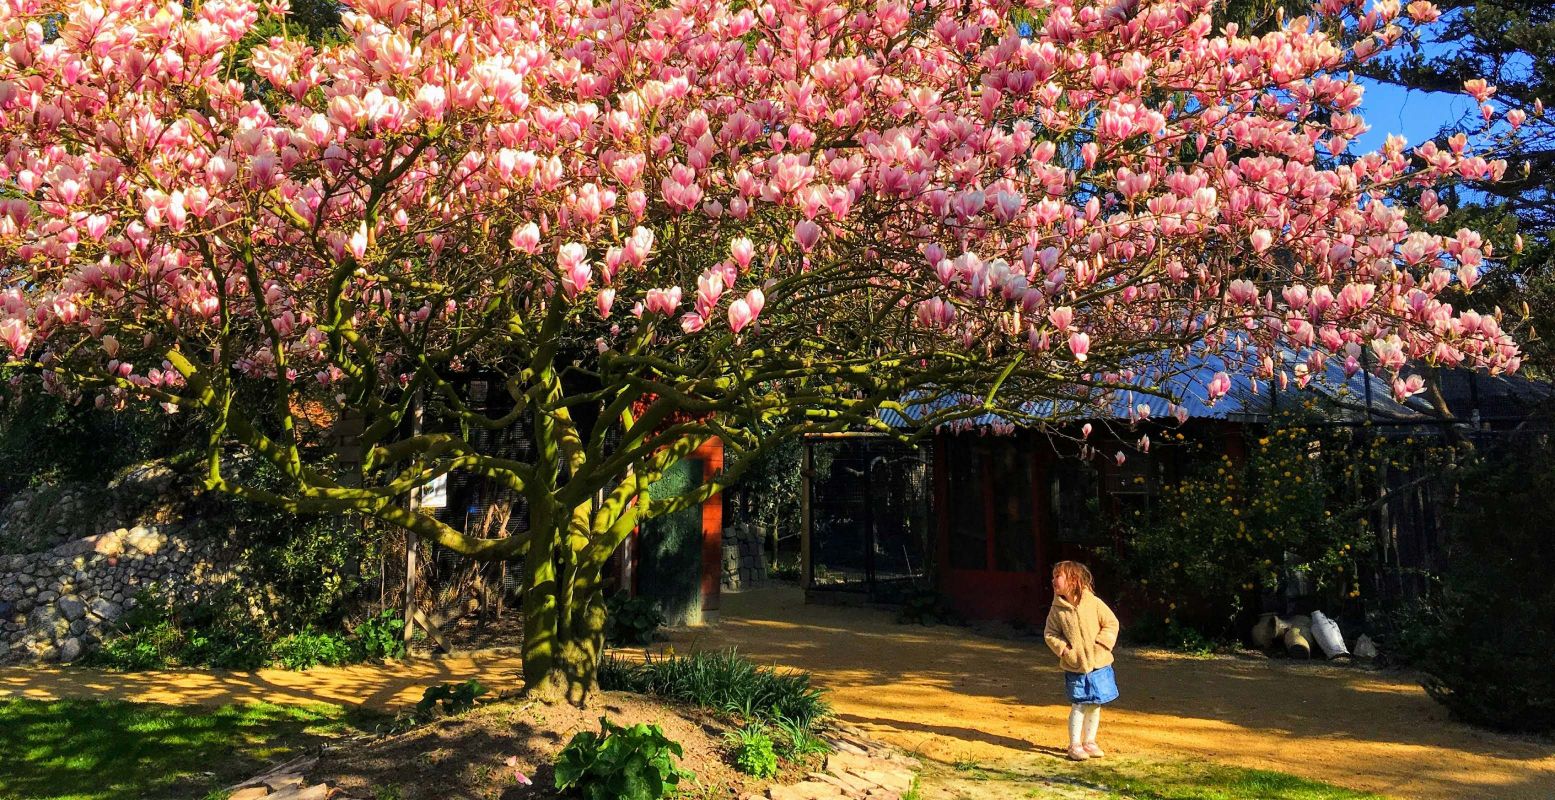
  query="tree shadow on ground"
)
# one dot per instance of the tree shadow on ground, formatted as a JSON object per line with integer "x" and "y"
{"x": 91, "y": 750}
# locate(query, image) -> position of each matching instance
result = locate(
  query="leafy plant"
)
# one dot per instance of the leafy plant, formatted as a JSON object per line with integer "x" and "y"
{"x": 631, "y": 620}
{"x": 297, "y": 569}
{"x": 46, "y": 439}
{"x": 753, "y": 751}
{"x": 309, "y": 648}
{"x": 723, "y": 681}
{"x": 155, "y": 634}
{"x": 382, "y": 636}
{"x": 785, "y": 569}
{"x": 636, "y": 763}
{"x": 798, "y": 740}
{"x": 1228, "y": 532}
{"x": 1486, "y": 647}
{"x": 452, "y": 698}
{"x": 148, "y": 647}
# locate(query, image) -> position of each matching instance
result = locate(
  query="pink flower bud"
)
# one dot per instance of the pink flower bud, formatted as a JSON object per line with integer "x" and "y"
{"x": 526, "y": 238}
{"x": 1079, "y": 344}
{"x": 1219, "y": 386}
{"x": 742, "y": 250}
{"x": 807, "y": 233}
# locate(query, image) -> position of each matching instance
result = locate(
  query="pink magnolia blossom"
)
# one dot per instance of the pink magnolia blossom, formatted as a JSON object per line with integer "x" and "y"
{"x": 526, "y": 238}
{"x": 437, "y": 149}
{"x": 1218, "y": 386}
{"x": 742, "y": 250}
{"x": 740, "y": 315}
{"x": 807, "y": 233}
{"x": 1079, "y": 345}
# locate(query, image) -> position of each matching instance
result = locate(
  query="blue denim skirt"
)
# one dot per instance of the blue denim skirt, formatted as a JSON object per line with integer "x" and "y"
{"x": 1097, "y": 686}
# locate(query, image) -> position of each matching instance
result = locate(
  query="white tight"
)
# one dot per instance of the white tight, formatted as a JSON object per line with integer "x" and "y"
{"x": 1084, "y": 719}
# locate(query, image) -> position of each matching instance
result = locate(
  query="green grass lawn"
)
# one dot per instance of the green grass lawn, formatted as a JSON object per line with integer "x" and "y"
{"x": 1203, "y": 781}
{"x": 1123, "y": 779}
{"x": 91, "y": 750}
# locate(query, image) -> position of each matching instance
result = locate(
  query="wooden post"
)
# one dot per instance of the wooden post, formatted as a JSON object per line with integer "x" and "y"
{"x": 711, "y": 454}
{"x": 410, "y": 585}
{"x": 806, "y": 472}
{"x": 410, "y": 536}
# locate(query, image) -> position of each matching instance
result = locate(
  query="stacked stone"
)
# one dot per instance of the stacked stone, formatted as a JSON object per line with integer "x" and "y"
{"x": 744, "y": 560}
{"x": 859, "y": 769}
{"x": 57, "y": 605}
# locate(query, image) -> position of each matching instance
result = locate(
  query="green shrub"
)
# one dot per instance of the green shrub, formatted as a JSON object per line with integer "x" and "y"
{"x": 152, "y": 646}
{"x": 381, "y": 637}
{"x": 631, "y": 620}
{"x": 722, "y": 681}
{"x": 753, "y": 751}
{"x": 1171, "y": 634}
{"x": 1227, "y": 533}
{"x": 927, "y": 607}
{"x": 636, "y": 763}
{"x": 219, "y": 633}
{"x": 1486, "y": 641}
{"x": 223, "y": 632}
{"x": 785, "y": 569}
{"x": 309, "y": 648}
{"x": 47, "y": 440}
{"x": 154, "y": 634}
{"x": 297, "y": 570}
{"x": 449, "y": 698}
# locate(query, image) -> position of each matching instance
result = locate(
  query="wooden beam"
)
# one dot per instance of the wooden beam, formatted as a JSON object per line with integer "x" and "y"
{"x": 806, "y": 473}
{"x": 411, "y": 540}
{"x": 436, "y": 635}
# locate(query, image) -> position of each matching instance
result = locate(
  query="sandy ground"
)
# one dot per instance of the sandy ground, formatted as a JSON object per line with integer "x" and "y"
{"x": 952, "y": 695}
{"x": 955, "y": 696}
{"x": 390, "y": 687}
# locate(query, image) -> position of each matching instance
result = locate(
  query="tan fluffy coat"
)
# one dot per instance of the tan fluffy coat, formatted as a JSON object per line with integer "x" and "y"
{"x": 1083, "y": 635}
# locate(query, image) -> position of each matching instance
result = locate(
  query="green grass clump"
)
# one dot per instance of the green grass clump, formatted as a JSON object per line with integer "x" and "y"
{"x": 1204, "y": 781}
{"x": 1135, "y": 779}
{"x": 722, "y": 681}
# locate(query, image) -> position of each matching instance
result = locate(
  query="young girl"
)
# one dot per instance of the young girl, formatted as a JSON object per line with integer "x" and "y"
{"x": 1082, "y": 630}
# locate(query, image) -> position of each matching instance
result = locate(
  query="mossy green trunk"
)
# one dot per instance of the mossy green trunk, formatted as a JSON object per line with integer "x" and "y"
{"x": 564, "y": 622}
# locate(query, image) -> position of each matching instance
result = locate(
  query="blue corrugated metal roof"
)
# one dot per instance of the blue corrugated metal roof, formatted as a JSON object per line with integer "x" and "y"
{"x": 1184, "y": 379}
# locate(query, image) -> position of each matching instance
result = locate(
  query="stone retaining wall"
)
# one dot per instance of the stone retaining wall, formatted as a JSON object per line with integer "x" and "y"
{"x": 744, "y": 559}
{"x": 55, "y": 605}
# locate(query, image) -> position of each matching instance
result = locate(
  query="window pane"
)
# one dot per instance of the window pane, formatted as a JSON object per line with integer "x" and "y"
{"x": 1015, "y": 542}
{"x": 964, "y": 504}
{"x": 1074, "y": 501}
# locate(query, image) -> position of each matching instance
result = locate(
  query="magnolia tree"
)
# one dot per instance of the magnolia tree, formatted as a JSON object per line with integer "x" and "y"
{"x": 657, "y": 223}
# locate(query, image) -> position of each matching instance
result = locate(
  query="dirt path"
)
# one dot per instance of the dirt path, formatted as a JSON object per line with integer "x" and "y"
{"x": 387, "y": 687}
{"x": 951, "y": 695}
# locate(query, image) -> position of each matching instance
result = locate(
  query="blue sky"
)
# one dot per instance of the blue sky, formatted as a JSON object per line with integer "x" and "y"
{"x": 1417, "y": 115}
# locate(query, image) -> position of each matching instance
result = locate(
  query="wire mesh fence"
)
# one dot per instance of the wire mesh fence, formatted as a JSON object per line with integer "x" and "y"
{"x": 871, "y": 515}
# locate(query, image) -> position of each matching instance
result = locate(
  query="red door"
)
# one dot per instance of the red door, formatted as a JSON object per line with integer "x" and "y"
{"x": 989, "y": 511}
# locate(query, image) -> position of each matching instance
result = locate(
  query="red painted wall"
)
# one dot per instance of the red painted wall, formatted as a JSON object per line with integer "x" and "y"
{"x": 996, "y": 592}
